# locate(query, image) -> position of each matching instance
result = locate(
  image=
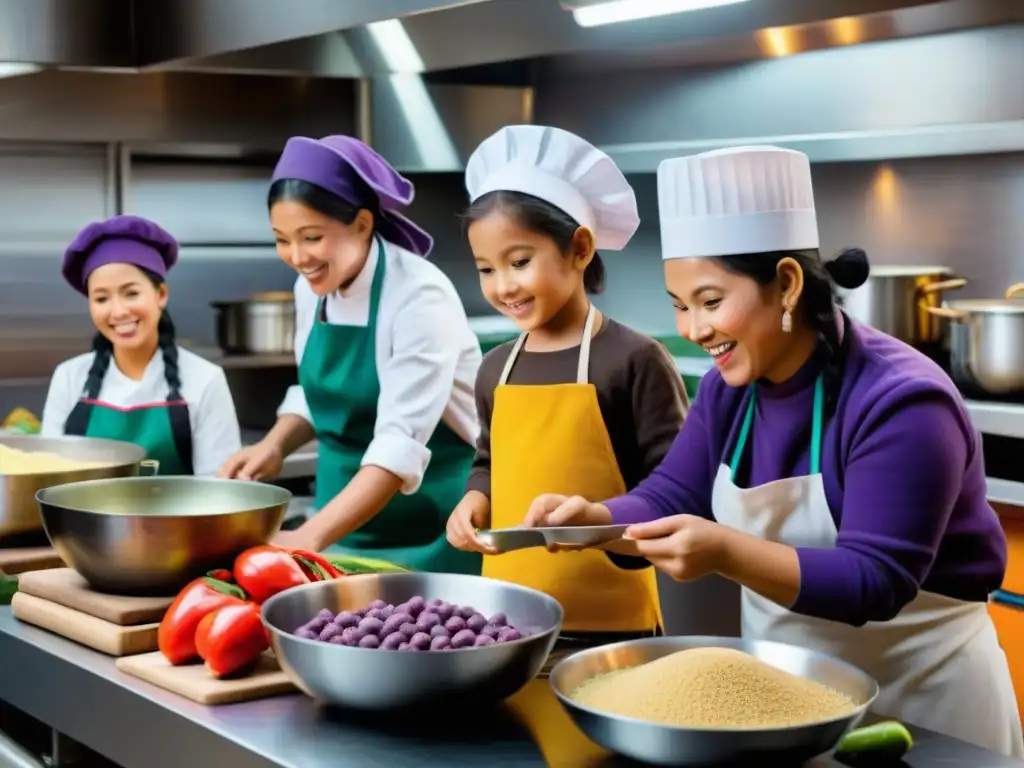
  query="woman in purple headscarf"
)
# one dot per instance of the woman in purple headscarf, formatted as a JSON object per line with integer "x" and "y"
{"x": 387, "y": 362}
{"x": 136, "y": 384}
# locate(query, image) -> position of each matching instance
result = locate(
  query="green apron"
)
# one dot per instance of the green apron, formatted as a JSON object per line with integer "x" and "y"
{"x": 338, "y": 374}
{"x": 163, "y": 429}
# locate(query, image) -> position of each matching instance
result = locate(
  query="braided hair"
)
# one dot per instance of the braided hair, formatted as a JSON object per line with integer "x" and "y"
{"x": 817, "y": 302}
{"x": 104, "y": 350}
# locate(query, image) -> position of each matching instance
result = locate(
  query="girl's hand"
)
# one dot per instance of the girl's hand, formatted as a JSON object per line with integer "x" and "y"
{"x": 472, "y": 514}
{"x": 554, "y": 510}
{"x": 685, "y": 547}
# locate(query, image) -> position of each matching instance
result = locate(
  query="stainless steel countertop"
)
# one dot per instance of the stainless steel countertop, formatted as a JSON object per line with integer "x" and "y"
{"x": 137, "y": 724}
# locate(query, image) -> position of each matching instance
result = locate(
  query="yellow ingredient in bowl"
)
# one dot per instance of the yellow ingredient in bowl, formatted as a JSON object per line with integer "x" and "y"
{"x": 14, "y": 461}
{"x": 712, "y": 688}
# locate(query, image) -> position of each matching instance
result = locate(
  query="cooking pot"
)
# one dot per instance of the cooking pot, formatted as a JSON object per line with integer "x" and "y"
{"x": 263, "y": 324}
{"x": 895, "y": 300}
{"x": 987, "y": 342}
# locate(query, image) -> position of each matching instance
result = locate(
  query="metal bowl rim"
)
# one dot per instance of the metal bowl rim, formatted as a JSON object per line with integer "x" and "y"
{"x": 569, "y": 703}
{"x": 313, "y": 585}
{"x": 57, "y": 474}
{"x": 40, "y": 494}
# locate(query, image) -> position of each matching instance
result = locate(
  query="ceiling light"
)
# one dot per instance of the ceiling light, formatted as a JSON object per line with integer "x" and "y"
{"x": 616, "y": 11}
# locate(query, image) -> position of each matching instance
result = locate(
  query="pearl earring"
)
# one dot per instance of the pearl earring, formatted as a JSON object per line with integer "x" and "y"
{"x": 787, "y": 321}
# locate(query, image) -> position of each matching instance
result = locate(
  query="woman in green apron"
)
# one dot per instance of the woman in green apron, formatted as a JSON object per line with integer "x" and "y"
{"x": 174, "y": 404}
{"x": 387, "y": 363}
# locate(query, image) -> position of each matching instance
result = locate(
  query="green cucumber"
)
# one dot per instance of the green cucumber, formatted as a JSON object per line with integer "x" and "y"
{"x": 8, "y": 586}
{"x": 888, "y": 740}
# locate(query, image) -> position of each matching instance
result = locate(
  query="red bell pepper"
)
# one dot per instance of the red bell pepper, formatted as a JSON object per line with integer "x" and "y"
{"x": 266, "y": 570}
{"x": 231, "y": 639}
{"x": 176, "y": 634}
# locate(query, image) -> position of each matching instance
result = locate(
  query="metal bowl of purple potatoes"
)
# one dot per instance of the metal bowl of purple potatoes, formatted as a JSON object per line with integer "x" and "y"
{"x": 393, "y": 641}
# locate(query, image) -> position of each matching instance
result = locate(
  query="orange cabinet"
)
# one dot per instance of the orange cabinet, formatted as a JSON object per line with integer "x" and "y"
{"x": 1009, "y": 621}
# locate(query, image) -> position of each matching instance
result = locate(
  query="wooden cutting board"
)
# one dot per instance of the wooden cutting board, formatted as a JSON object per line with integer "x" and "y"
{"x": 65, "y": 587}
{"x": 193, "y": 681}
{"x": 17, "y": 560}
{"x": 101, "y": 635}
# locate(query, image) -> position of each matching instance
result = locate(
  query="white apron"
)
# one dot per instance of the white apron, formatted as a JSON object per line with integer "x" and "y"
{"x": 938, "y": 662}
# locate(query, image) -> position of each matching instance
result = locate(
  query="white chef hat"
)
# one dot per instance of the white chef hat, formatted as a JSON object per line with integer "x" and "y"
{"x": 735, "y": 201}
{"x": 562, "y": 169}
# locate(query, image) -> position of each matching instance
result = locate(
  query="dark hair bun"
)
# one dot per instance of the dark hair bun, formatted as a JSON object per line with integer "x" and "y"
{"x": 849, "y": 269}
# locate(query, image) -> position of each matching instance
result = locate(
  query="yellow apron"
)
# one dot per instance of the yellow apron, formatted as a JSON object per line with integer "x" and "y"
{"x": 552, "y": 439}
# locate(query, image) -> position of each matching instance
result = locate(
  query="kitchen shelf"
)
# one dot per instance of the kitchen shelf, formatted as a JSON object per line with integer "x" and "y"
{"x": 1001, "y": 419}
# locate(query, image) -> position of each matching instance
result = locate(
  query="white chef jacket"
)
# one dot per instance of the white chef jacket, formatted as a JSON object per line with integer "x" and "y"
{"x": 211, "y": 410}
{"x": 427, "y": 358}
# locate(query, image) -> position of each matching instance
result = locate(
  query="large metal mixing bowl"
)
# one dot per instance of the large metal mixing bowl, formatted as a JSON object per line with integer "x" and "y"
{"x": 152, "y": 535}
{"x": 376, "y": 680}
{"x": 18, "y": 510}
{"x": 667, "y": 745}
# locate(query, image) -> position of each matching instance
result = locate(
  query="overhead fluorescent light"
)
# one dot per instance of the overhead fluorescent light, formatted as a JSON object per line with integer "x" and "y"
{"x": 616, "y": 11}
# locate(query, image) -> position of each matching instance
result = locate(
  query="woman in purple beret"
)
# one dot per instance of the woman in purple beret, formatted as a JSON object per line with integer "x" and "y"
{"x": 137, "y": 385}
{"x": 830, "y": 470}
{"x": 387, "y": 362}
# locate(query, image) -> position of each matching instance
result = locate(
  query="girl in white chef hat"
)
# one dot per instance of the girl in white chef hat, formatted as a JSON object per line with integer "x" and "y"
{"x": 578, "y": 403}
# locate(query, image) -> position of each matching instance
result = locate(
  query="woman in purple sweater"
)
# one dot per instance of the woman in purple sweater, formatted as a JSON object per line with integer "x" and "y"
{"x": 829, "y": 469}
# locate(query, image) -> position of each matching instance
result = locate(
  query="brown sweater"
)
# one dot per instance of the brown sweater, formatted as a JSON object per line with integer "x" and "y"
{"x": 639, "y": 390}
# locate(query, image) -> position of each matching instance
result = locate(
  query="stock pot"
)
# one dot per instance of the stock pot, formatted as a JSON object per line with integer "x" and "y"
{"x": 263, "y": 324}
{"x": 987, "y": 341}
{"x": 896, "y": 300}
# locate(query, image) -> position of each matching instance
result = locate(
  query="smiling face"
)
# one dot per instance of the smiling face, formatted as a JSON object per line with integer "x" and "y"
{"x": 125, "y": 305}
{"x": 327, "y": 252}
{"x": 523, "y": 274}
{"x": 736, "y": 319}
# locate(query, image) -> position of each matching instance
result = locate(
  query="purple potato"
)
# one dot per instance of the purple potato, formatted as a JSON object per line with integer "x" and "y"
{"x": 346, "y": 619}
{"x": 416, "y": 605}
{"x": 427, "y": 621}
{"x": 371, "y": 626}
{"x": 466, "y": 612}
{"x": 463, "y": 639}
{"x": 476, "y": 622}
{"x": 317, "y": 624}
{"x": 308, "y": 633}
{"x": 408, "y": 647}
{"x": 331, "y": 630}
{"x": 387, "y": 612}
{"x": 394, "y": 623}
{"x": 377, "y": 604}
{"x": 483, "y": 640}
{"x": 352, "y": 635}
{"x": 402, "y": 608}
{"x": 409, "y": 628}
{"x": 338, "y": 640}
{"x": 403, "y": 646}
{"x": 370, "y": 641}
{"x": 392, "y": 642}
{"x": 436, "y": 602}
{"x": 439, "y": 631}
{"x": 445, "y": 611}
{"x": 375, "y": 613}
{"x": 323, "y": 613}
{"x": 508, "y": 634}
{"x": 491, "y": 631}
{"x": 440, "y": 643}
{"x": 499, "y": 619}
{"x": 421, "y": 641}
{"x": 455, "y": 624}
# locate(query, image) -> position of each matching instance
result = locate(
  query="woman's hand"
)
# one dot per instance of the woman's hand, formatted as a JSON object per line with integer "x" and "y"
{"x": 472, "y": 514}
{"x": 294, "y": 540}
{"x": 685, "y": 547}
{"x": 255, "y": 462}
{"x": 553, "y": 509}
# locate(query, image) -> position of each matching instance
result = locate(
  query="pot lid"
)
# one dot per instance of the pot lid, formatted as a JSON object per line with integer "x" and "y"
{"x": 895, "y": 270}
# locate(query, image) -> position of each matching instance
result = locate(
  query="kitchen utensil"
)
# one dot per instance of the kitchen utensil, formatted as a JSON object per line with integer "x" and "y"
{"x": 668, "y": 745}
{"x": 152, "y": 535}
{"x": 374, "y": 679}
{"x": 18, "y": 510}
{"x": 895, "y": 300}
{"x": 98, "y": 634}
{"x": 263, "y": 324}
{"x": 987, "y": 341}
{"x": 579, "y": 537}
{"x": 193, "y": 681}
{"x": 66, "y": 587}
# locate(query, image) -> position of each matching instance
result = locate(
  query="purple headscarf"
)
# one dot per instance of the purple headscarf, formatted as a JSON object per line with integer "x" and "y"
{"x": 346, "y": 167}
{"x": 120, "y": 240}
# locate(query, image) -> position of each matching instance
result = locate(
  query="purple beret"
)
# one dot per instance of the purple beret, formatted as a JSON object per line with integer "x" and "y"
{"x": 350, "y": 169}
{"x": 121, "y": 240}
